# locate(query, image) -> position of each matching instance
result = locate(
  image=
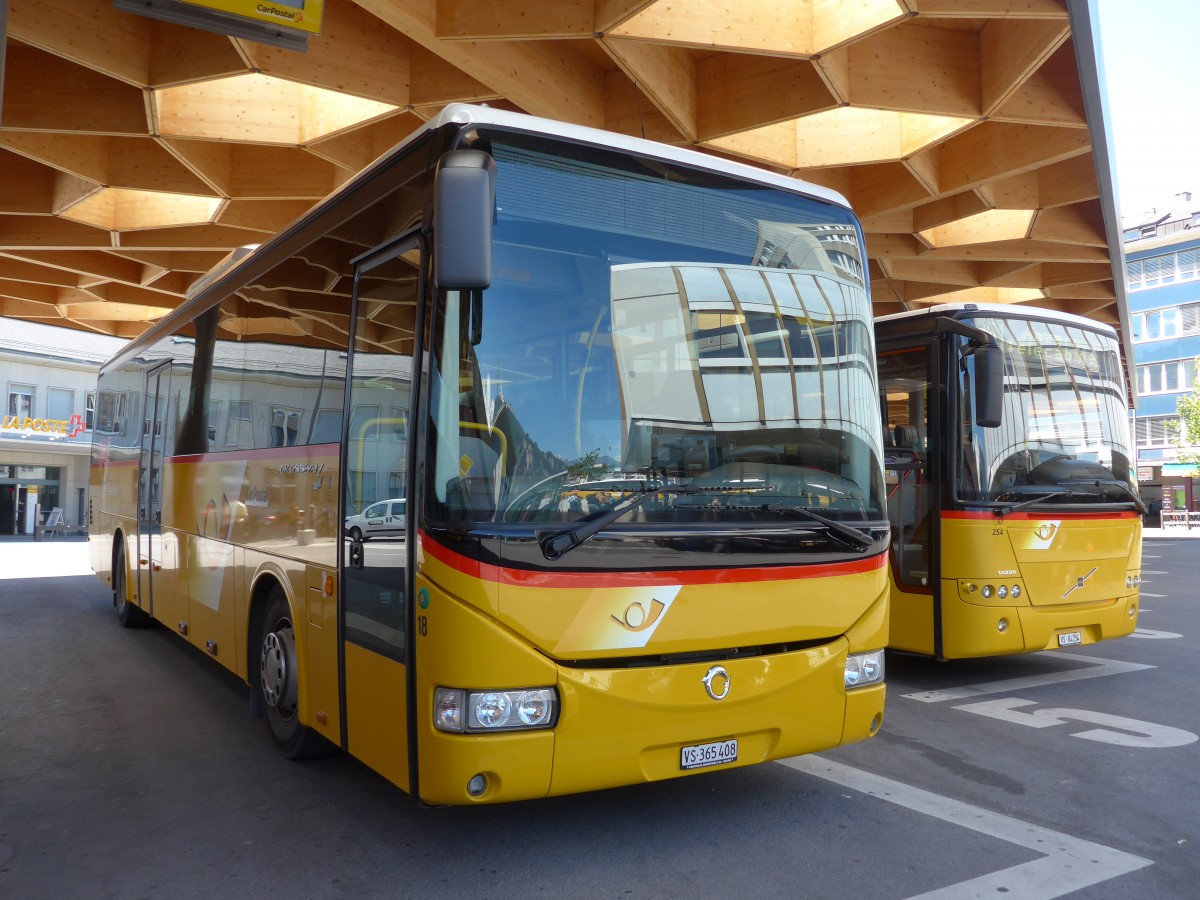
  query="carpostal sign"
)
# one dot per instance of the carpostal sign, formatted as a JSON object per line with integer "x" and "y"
{"x": 302, "y": 15}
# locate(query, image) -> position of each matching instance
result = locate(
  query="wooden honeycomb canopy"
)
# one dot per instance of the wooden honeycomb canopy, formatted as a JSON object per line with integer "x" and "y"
{"x": 134, "y": 153}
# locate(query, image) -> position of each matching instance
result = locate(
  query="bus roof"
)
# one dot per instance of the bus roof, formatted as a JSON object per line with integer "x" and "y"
{"x": 468, "y": 114}
{"x": 1002, "y": 310}
{"x": 254, "y": 258}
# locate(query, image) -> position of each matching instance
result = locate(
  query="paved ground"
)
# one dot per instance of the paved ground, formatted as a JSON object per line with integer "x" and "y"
{"x": 130, "y": 768}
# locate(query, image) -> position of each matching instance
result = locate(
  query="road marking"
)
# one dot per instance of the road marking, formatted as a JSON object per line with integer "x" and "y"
{"x": 1069, "y": 864}
{"x": 1129, "y": 733}
{"x": 1154, "y": 572}
{"x": 1148, "y": 594}
{"x": 1100, "y": 668}
{"x": 1153, "y": 635}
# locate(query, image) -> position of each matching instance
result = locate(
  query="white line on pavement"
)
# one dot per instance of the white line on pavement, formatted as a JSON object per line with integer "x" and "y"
{"x": 1069, "y": 864}
{"x": 1099, "y": 668}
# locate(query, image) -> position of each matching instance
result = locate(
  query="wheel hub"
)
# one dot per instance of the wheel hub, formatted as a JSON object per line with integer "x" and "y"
{"x": 277, "y": 670}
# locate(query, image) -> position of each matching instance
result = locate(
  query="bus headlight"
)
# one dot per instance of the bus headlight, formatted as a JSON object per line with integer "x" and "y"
{"x": 864, "y": 668}
{"x": 474, "y": 712}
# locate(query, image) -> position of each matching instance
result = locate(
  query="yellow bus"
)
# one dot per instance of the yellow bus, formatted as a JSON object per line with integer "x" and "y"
{"x": 1015, "y": 513}
{"x": 494, "y": 310}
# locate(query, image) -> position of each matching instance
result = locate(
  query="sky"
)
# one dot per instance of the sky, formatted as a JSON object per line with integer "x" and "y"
{"x": 1152, "y": 72}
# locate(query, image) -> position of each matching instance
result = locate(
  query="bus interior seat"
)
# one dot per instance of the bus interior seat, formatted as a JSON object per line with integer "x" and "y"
{"x": 907, "y": 436}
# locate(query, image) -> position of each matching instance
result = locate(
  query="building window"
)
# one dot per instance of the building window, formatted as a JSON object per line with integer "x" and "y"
{"x": 214, "y": 417}
{"x": 396, "y": 484}
{"x": 362, "y": 491}
{"x": 20, "y": 400}
{"x": 1151, "y": 271}
{"x": 237, "y": 428}
{"x": 285, "y": 426}
{"x": 1157, "y": 431}
{"x": 364, "y": 422}
{"x": 60, "y": 404}
{"x": 89, "y": 410}
{"x": 1161, "y": 324}
{"x": 328, "y": 427}
{"x": 1169, "y": 377}
{"x": 110, "y": 413}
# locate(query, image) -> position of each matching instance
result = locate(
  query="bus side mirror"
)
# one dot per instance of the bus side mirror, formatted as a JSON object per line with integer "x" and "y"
{"x": 989, "y": 385}
{"x": 464, "y": 199}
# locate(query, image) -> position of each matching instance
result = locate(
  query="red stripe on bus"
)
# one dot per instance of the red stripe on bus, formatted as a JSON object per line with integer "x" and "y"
{"x": 527, "y": 578}
{"x": 1019, "y": 516}
{"x": 303, "y": 451}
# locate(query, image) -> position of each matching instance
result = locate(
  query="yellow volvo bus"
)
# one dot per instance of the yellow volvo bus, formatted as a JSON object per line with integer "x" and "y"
{"x": 1015, "y": 515}
{"x": 496, "y": 311}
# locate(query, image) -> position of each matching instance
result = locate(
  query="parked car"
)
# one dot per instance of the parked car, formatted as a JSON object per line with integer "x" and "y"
{"x": 382, "y": 519}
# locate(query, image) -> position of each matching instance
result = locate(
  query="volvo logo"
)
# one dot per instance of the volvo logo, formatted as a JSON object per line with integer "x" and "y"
{"x": 716, "y": 682}
{"x": 1081, "y": 581}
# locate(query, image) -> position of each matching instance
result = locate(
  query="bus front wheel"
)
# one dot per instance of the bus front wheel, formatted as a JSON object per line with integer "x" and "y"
{"x": 129, "y": 615}
{"x": 278, "y": 681}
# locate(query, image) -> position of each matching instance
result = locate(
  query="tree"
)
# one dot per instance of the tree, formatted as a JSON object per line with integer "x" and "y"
{"x": 584, "y": 466}
{"x": 1187, "y": 431}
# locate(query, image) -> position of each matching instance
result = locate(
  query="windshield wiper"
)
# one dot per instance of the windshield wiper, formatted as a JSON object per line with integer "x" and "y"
{"x": 1002, "y": 511}
{"x": 555, "y": 543}
{"x": 860, "y": 540}
{"x": 1128, "y": 491}
{"x": 1099, "y": 486}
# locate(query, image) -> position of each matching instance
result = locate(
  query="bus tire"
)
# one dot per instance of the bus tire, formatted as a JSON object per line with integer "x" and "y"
{"x": 278, "y": 682}
{"x": 128, "y": 614}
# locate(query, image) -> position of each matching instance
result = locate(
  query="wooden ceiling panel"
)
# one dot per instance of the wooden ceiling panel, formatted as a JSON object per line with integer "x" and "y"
{"x": 44, "y": 92}
{"x": 956, "y": 128}
{"x": 356, "y": 54}
{"x": 667, "y": 76}
{"x": 739, "y": 92}
{"x": 88, "y": 32}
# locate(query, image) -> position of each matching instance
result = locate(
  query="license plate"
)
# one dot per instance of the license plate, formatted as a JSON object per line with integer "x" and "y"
{"x": 1070, "y": 638}
{"x": 699, "y": 756}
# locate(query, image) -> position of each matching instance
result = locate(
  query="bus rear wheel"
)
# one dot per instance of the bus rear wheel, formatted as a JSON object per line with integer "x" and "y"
{"x": 129, "y": 615}
{"x": 278, "y": 682}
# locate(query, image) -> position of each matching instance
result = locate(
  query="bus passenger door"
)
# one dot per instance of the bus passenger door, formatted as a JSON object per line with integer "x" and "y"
{"x": 149, "y": 559}
{"x": 376, "y": 573}
{"x": 910, "y": 455}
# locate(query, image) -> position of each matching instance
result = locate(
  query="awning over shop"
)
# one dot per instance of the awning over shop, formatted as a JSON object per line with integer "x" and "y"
{"x": 1182, "y": 470}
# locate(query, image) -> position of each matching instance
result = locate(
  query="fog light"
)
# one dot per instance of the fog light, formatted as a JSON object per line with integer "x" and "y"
{"x": 1002, "y": 626}
{"x": 1016, "y": 591}
{"x": 1002, "y": 591}
{"x": 987, "y": 592}
{"x": 477, "y": 785}
{"x": 1132, "y": 610}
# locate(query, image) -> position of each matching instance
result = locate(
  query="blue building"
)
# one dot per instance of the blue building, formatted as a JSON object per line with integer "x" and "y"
{"x": 1162, "y": 252}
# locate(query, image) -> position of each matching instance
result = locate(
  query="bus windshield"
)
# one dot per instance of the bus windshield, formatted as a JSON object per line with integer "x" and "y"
{"x": 1064, "y": 433}
{"x": 652, "y": 325}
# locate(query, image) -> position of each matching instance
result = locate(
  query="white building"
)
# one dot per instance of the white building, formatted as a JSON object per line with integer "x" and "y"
{"x": 48, "y": 376}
